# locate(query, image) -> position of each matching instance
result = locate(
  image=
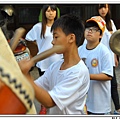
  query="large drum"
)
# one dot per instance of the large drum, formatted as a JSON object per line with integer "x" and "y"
{"x": 16, "y": 93}
{"x": 9, "y": 102}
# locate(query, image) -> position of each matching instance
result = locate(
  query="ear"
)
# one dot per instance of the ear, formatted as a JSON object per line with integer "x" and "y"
{"x": 71, "y": 38}
{"x": 101, "y": 36}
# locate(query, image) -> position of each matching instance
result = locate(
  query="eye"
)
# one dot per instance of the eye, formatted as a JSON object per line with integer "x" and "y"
{"x": 94, "y": 29}
{"x": 56, "y": 37}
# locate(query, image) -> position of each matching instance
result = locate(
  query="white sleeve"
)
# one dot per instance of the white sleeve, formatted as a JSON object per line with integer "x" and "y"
{"x": 43, "y": 81}
{"x": 33, "y": 34}
{"x": 113, "y": 26}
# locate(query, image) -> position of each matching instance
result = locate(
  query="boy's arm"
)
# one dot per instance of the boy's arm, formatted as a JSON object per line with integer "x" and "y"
{"x": 116, "y": 60}
{"x": 101, "y": 76}
{"x": 42, "y": 95}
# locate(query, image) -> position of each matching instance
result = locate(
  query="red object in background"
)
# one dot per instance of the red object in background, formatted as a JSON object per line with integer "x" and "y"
{"x": 21, "y": 46}
{"x": 43, "y": 110}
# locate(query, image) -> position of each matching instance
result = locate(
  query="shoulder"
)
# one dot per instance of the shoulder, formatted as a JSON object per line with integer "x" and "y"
{"x": 82, "y": 46}
{"x": 56, "y": 64}
{"x": 82, "y": 63}
{"x": 113, "y": 24}
{"x": 103, "y": 48}
{"x": 37, "y": 25}
{"x": 112, "y": 21}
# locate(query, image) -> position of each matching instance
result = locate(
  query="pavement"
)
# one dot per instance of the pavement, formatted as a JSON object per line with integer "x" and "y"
{"x": 35, "y": 75}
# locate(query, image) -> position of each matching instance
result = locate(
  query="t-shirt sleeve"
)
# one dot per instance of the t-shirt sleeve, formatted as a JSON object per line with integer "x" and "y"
{"x": 33, "y": 33}
{"x": 43, "y": 81}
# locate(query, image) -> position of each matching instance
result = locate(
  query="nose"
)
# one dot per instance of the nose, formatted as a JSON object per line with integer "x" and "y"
{"x": 52, "y": 42}
{"x": 103, "y": 9}
{"x": 51, "y": 12}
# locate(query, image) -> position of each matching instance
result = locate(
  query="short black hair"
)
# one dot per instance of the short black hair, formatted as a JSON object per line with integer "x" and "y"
{"x": 70, "y": 23}
{"x": 93, "y": 24}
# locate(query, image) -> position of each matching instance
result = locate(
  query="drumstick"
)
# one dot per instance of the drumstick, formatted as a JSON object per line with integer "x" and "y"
{"x": 47, "y": 53}
{"x": 17, "y": 35}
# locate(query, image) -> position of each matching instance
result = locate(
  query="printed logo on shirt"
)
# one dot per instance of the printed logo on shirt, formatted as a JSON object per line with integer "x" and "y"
{"x": 94, "y": 62}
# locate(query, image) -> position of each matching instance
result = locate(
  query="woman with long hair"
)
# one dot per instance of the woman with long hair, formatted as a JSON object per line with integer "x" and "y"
{"x": 41, "y": 33}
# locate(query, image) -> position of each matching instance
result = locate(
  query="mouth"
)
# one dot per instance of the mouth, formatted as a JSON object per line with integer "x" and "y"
{"x": 89, "y": 35}
{"x": 50, "y": 16}
{"x": 103, "y": 13}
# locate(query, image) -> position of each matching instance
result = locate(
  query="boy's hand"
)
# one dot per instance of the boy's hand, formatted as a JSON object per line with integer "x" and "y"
{"x": 25, "y": 65}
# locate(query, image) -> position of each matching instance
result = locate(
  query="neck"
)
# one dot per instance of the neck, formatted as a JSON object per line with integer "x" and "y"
{"x": 91, "y": 46}
{"x": 103, "y": 18}
{"x": 71, "y": 58}
{"x": 50, "y": 22}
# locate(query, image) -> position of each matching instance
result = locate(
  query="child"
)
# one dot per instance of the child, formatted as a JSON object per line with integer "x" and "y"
{"x": 98, "y": 60}
{"x": 104, "y": 11}
{"x": 64, "y": 85}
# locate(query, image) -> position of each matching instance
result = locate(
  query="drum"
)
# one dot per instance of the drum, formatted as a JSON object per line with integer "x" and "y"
{"x": 9, "y": 102}
{"x": 16, "y": 93}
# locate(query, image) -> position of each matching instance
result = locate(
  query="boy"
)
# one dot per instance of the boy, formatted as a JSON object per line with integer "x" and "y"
{"x": 64, "y": 86}
{"x": 98, "y": 60}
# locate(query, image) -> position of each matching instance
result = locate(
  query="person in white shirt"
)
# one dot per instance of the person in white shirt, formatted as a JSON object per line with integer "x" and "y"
{"x": 98, "y": 60}
{"x": 41, "y": 33}
{"x": 64, "y": 85}
{"x": 104, "y": 11}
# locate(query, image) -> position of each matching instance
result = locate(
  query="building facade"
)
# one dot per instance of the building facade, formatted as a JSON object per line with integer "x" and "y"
{"x": 28, "y": 14}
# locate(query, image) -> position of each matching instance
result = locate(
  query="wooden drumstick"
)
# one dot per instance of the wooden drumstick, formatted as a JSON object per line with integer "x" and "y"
{"x": 47, "y": 53}
{"x": 17, "y": 35}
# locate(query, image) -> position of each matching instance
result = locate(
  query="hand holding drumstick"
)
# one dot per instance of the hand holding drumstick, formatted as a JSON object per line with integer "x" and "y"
{"x": 26, "y": 65}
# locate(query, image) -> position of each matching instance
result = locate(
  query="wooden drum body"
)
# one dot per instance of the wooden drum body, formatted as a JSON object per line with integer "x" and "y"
{"x": 9, "y": 102}
{"x": 16, "y": 93}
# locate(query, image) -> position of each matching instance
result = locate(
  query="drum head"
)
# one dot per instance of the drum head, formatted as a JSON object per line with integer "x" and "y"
{"x": 115, "y": 42}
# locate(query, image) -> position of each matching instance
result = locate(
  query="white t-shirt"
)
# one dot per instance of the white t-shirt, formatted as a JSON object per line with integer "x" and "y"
{"x": 67, "y": 88}
{"x": 98, "y": 60}
{"x": 43, "y": 44}
{"x": 106, "y": 38}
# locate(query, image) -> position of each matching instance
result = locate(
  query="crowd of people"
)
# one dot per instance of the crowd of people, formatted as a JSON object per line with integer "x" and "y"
{"x": 79, "y": 75}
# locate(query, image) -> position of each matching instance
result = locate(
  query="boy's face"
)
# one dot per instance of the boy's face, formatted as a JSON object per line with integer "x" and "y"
{"x": 60, "y": 38}
{"x": 92, "y": 34}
